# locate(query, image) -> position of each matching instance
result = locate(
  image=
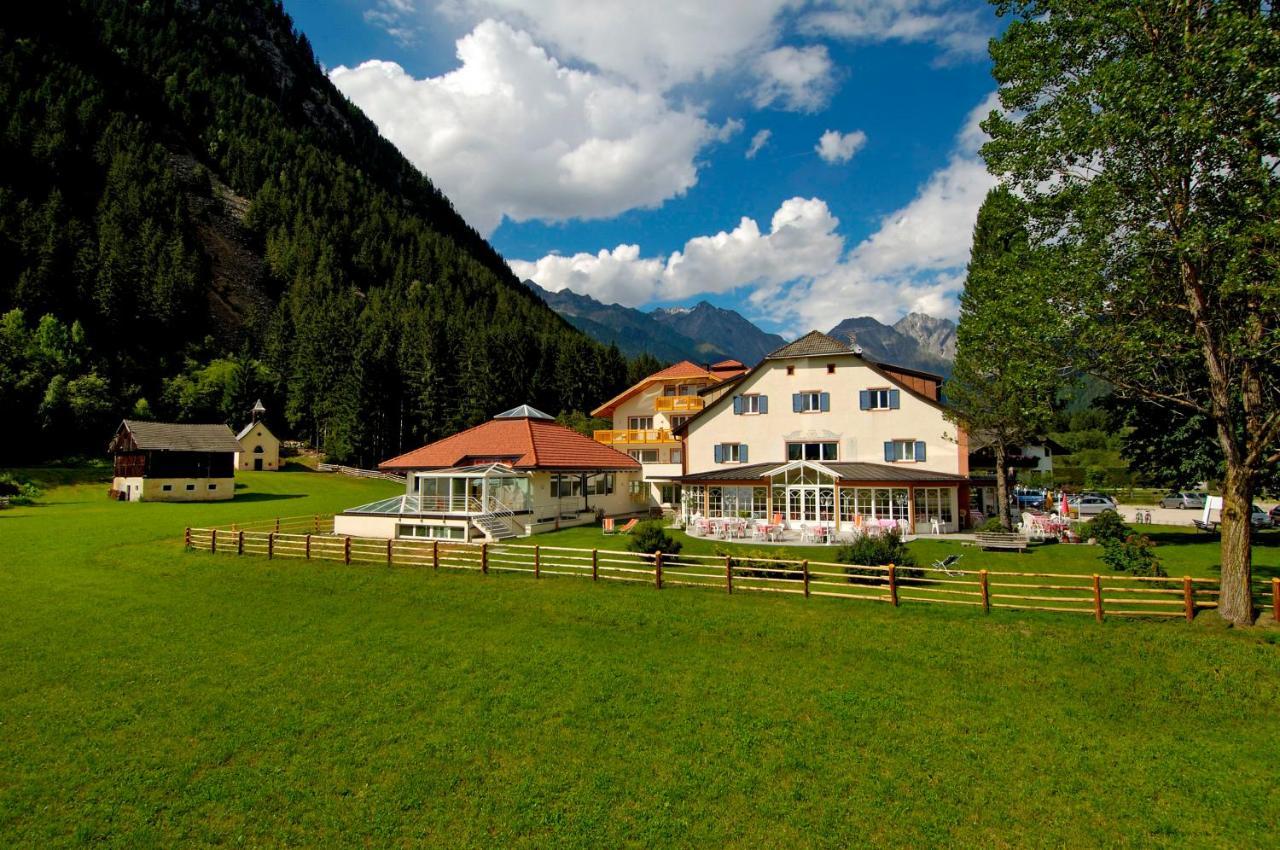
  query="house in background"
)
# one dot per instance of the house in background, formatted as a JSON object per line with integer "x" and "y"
{"x": 651, "y": 410}
{"x": 517, "y": 474}
{"x": 169, "y": 462}
{"x": 1032, "y": 457}
{"x": 259, "y": 448}
{"x": 820, "y": 434}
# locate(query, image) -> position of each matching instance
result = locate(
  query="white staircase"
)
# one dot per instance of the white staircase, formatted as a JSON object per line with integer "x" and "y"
{"x": 495, "y": 519}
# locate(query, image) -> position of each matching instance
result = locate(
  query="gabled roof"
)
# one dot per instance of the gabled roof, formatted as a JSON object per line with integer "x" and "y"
{"x": 683, "y": 369}
{"x": 134, "y": 435}
{"x": 524, "y": 443}
{"x": 246, "y": 429}
{"x": 811, "y": 344}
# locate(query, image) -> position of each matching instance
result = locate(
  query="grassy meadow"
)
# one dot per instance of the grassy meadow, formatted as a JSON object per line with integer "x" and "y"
{"x": 151, "y": 697}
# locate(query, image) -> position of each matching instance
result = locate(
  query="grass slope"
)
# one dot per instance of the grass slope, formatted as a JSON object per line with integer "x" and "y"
{"x": 150, "y": 697}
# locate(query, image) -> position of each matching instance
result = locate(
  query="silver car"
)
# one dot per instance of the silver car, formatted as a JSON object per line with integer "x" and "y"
{"x": 1182, "y": 500}
{"x": 1092, "y": 505}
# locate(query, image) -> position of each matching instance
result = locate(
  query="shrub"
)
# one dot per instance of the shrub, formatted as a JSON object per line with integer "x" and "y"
{"x": 760, "y": 563}
{"x": 990, "y": 524}
{"x": 1134, "y": 555}
{"x": 651, "y": 536}
{"x": 1107, "y": 527}
{"x": 877, "y": 550}
{"x": 19, "y": 492}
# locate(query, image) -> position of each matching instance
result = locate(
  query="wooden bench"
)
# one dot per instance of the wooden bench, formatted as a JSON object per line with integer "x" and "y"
{"x": 1000, "y": 540}
{"x": 1206, "y": 526}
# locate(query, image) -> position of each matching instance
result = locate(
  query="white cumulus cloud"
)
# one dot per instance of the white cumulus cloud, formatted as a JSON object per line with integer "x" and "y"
{"x": 961, "y": 30}
{"x": 800, "y": 79}
{"x": 801, "y": 242}
{"x": 836, "y": 147}
{"x": 511, "y": 132}
{"x": 758, "y": 141}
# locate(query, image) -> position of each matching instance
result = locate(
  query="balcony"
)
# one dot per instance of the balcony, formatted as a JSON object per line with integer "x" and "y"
{"x": 679, "y": 403}
{"x": 631, "y": 436}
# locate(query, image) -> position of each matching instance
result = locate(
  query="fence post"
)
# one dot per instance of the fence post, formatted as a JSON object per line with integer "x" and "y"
{"x": 1097, "y": 597}
{"x": 986, "y": 594}
{"x": 657, "y": 570}
{"x": 388, "y": 551}
{"x": 893, "y": 585}
{"x": 435, "y": 554}
{"x": 277, "y": 525}
{"x": 186, "y": 539}
{"x": 728, "y": 574}
{"x": 316, "y": 526}
{"x": 346, "y": 550}
{"x": 271, "y": 545}
{"x": 537, "y": 561}
{"x": 804, "y": 566}
{"x": 1275, "y": 600}
{"x": 595, "y": 564}
{"x": 1188, "y": 598}
{"x": 240, "y": 542}
{"x": 213, "y": 541}
{"x": 484, "y": 558}
{"x": 308, "y": 547}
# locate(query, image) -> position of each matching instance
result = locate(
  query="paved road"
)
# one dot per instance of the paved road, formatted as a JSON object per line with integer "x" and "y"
{"x": 1172, "y": 516}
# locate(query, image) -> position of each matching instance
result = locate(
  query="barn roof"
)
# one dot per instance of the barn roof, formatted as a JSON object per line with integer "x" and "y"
{"x": 175, "y": 437}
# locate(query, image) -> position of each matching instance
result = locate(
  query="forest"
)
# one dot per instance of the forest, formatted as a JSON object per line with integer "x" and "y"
{"x": 192, "y": 217}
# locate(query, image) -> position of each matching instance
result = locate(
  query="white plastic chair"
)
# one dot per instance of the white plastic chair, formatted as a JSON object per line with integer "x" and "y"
{"x": 934, "y": 526}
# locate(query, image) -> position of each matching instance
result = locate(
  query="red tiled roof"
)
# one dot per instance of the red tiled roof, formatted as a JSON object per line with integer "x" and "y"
{"x": 526, "y": 443}
{"x": 683, "y": 369}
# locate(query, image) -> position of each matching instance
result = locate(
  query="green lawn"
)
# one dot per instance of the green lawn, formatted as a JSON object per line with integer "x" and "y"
{"x": 153, "y": 698}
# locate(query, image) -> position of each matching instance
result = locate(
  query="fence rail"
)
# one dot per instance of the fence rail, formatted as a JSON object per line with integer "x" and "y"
{"x": 1094, "y": 595}
{"x": 359, "y": 473}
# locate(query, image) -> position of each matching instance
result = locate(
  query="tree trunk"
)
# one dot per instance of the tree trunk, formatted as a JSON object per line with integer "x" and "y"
{"x": 1002, "y": 486}
{"x": 1236, "y": 602}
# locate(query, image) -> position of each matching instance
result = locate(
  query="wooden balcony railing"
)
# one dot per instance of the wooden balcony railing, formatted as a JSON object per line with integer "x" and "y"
{"x": 680, "y": 403}
{"x": 634, "y": 435}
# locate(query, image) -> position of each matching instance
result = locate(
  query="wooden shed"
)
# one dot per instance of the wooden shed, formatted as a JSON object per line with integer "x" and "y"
{"x": 170, "y": 462}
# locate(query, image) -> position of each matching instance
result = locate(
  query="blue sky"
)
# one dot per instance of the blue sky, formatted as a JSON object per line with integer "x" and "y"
{"x": 603, "y": 147}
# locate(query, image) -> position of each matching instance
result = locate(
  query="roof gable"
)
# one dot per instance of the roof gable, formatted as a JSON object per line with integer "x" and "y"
{"x": 528, "y": 443}
{"x": 683, "y": 369}
{"x": 811, "y": 344}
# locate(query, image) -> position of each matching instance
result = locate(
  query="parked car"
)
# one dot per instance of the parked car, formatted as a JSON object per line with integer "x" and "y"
{"x": 1259, "y": 518}
{"x": 1029, "y": 498}
{"x": 1183, "y": 500}
{"x": 1275, "y": 515}
{"x": 1091, "y": 504}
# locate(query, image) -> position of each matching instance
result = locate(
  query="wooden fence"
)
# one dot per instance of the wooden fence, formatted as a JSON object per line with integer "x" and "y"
{"x": 1091, "y": 595}
{"x": 359, "y": 473}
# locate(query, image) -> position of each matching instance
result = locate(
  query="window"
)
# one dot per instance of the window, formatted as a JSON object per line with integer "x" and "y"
{"x": 600, "y": 485}
{"x": 258, "y": 450}
{"x": 677, "y": 455}
{"x": 677, "y": 421}
{"x": 640, "y": 423}
{"x": 565, "y": 486}
{"x": 879, "y": 399}
{"x": 731, "y": 453}
{"x": 791, "y": 370}
{"x": 933, "y": 503}
{"x": 873, "y": 503}
{"x": 742, "y": 502}
{"x": 213, "y": 486}
{"x": 811, "y": 401}
{"x": 831, "y": 368}
{"x": 166, "y": 487}
{"x": 669, "y": 494}
{"x": 644, "y": 455}
{"x": 904, "y": 450}
{"x": 812, "y": 451}
{"x": 439, "y": 532}
{"x": 749, "y": 405}
{"x": 191, "y": 487}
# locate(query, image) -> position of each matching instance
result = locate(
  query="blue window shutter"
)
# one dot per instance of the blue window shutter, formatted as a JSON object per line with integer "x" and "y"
{"x": 824, "y": 402}
{"x": 888, "y": 451}
{"x": 797, "y": 404}
{"x": 864, "y": 399}
{"x": 919, "y": 449}
{"x": 719, "y": 453}
{"x": 764, "y": 404}
{"x": 737, "y": 405}
{"x": 742, "y": 452}
{"x": 894, "y": 398}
